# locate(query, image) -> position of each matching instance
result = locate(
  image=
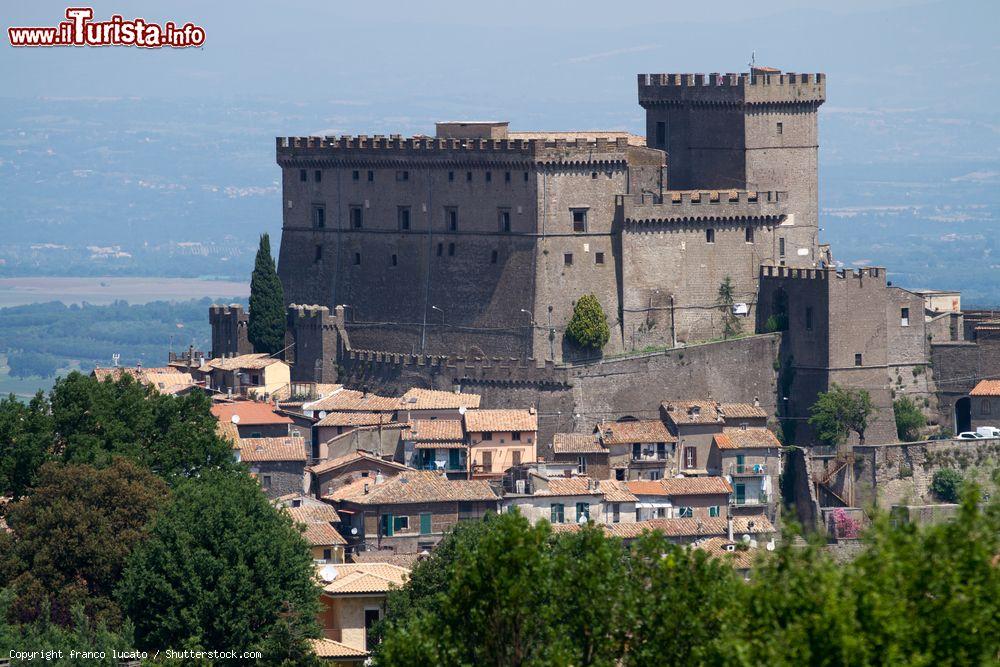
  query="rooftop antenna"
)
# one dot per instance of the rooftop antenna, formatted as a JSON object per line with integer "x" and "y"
{"x": 753, "y": 60}
{"x": 115, "y": 358}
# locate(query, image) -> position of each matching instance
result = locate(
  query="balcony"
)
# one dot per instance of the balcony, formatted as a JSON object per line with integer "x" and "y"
{"x": 758, "y": 499}
{"x": 431, "y": 465}
{"x": 748, "y": 469}
{"x": 651, "y": 457}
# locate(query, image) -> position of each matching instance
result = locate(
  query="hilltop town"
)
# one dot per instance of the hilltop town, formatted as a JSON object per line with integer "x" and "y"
{"x": 431, "y": 372}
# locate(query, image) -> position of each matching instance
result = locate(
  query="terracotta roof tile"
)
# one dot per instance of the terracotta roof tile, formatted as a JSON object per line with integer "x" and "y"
{"x": 257, "y": 450}
{"x": 696, "y": 486}
{"x": 391, "y": 557}
{"x": 645, "y": 488}
{"x": 430, "y": 399}
{"x": 742, "y": 411}
{"x": 355, "y": 419}
{"x": 567, "y": 486}
{"x": 243, "y": 361}
{"x": 735, "y": 553}
{"x": 986, "y": 388}
{"x": 328, "y": 648}
{"x": 686, "y": 527}
{"x": 416, "y": 486}
{"x": 616, "y": 492}
{"x": 483, "y": 421}
{"x": 644, "y": 431}
{"x": 339, "y": 462}
{"x": 251, "y": 413}
{"x": 577, "y": 443}
{"x": 321, "y": 534}
{"x": 354, "y": 401}
{"x": 366, "y": 578}
{"x": 692, "y": 412}
{"x": 314, "y": 512}
{"x": 746, "y": 438}
{"x": 434, "y": 430}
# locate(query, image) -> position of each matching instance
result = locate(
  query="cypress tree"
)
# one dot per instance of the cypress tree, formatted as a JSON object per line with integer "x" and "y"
{"x": 267, "y": 303}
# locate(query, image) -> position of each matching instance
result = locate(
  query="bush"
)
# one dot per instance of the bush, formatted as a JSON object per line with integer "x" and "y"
{"x": 588, "y": 328}
{"x": 909, "y": 419}
{"x": 947, "y": 485}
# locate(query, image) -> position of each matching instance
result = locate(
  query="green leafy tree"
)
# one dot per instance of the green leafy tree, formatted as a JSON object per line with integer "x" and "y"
{"x": 266, "y": 327}
{"x": 175, "y": 436}
{"x": 840, "y": 411}
{"x": 726, "y": 298}
{"x": 909, "y": 419}
{"x": 222, "y": 569}
{"x": 588, "y": 327}
{"x": 946, "y": 485}
{"x": 26, "y": 436}
{"x": 25, "y": 364}
{"x": 71, "y": 537}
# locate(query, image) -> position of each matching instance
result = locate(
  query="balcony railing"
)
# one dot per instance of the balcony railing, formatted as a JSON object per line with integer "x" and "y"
{"x": 748, "y": 469}
{"x": 431, "y": 465}
{"x": 760, "y": 499}
{"x": 643, "y": 458}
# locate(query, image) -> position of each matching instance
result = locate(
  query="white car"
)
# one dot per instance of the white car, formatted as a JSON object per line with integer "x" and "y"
{"x": 971, "y": 435}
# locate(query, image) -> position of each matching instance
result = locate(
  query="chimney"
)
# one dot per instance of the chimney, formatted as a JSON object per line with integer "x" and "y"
{"x": 756, "y": 402}
{"x": 729, "y": 528}
{"x": 378, "y": 477}
{"x": 366, "y": 489}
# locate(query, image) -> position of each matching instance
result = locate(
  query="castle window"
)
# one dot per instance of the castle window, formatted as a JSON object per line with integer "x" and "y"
{"x": 451, "y": 218}
{"x": 904, "y": 317}
{"x": 302, "y": 175}
{"x": 355, "y": 175}
{"x": 661, "y": 133}
{"x": 403, "y": 215}
{"x": 357, "y": 259}
{"x": 319, "y": 253}
{"x": 568, "y": 259}
{"x": 493, "y": 257}
{"x": 371, "y": 176}
{"x": 357, "y": 216}
{"x": 781, "y": 247}
{"x": 748, "y": 234}
{"x": 440, "y": 249}
{"x": 402, "y": 175}
{"x": 451, "y": 176}
{"x": 985, "y": 409}
{"x": 599, "y": 258}
{"x": 579, "y": 219}
{"x": 394, "y": 261}
{"x": 451, "y": 249}
{"x": 525, "y": 177}
{"x": 809, "y": 318}
{"x": 319, "y": 216}
{"x": 468, "y": 176}
{"x": 593, "y": 175}
{"x": 489, "y": 176}
{"x": 506, "y": 177}
{"x": 857, "y": 359}
{"x": 503, "y": 219}
{"x": 781, "y": 128}
{"x": 709, "y": 235}
{"x": 318, "y": 175}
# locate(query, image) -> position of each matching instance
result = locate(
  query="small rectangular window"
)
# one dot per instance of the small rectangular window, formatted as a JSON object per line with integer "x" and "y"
{"x": 748, "y": 234}
{"x": 403, "y": 215}
{"x": 515, "y": 436}
{"x": 661, "y": 133}
{"x": 568, "y": 259}
{"x": 493, "y": 257}
{"x": 809, "y": 318}
{"x": 616, "y": 512}
{"x": 506, "y": 177}
{"x": 904, "y": 317}
{"x": 356, "y": 175}
{"x": 303, "y": 176}
{"x": 468, "y": 177}
{"x": 579, "y": 219}
{"x": 581, "y": 465}
{"x": 598, "y": 258}
{"x": 487, "y": 435}
{"x": 327, "y": 554}
{"x": 402, "y": 175}
{"x": 557, "y": 513}
{"x": 781, "y": 247}
{"x": 319, "y": 253}
{"x": 489, "y": 176}
{"x": 451, "y": 249}
{"x": 709, "y": 235}
{"x": 357, "y": 215}
{"x": 515, "y": 457}
{"x": 781, "y": 128}
{"x": 266, "y": 481}
{"x": 685, "y": 512}
{"x": 451, "y": 218}
{"x": 857, "y": 359}
{"x": 371, "y": 176}
{"x": 986, "y": 407}
{"x": 357, "y": 259}
{"x": 713, "y": 510}
{"x": 319, "y": 216}
{"x": 394, "y": 261}
{"x": 487, "y": 461}
{"x": 440, "y": 249}
{"x": 503, "y": 219}
{"x": 525, "y": 177}
{"x": 318, "y": 175}
{"x": 582, "y": 511}
{"x": 451, "y": 176}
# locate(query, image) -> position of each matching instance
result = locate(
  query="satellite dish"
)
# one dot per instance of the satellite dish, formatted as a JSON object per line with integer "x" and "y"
{"x": 770, "y": 546}
{"x": 462, "y": 410}
{"x": 746, "y": 538}
{"x": 322, "y": 414}
{"x": 354, "y": 531}
{"x": 235, "y": 419}
{"x": 582, "y": 519}
{"x": 328, "y": 573}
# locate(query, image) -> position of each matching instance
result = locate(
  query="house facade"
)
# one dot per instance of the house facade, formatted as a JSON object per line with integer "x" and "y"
{"x": 499, "y": 440}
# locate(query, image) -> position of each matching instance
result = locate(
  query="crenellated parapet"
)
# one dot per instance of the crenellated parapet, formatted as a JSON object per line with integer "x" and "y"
{"x": 703, "y": 206}
{"x": 229, "y": 330}
{"x": 866, "y": 274}
{"x": 481, "y": 370}
{"x": 396, "y": 150}
{"x": 731, "y": 89}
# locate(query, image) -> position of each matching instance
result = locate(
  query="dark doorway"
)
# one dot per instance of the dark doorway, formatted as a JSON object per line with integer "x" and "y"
{"x": 963, "y": 415}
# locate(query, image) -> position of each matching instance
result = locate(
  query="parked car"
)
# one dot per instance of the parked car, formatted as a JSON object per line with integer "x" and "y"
{"x": 988, "y": 431}
{"x": 971, "y": 435}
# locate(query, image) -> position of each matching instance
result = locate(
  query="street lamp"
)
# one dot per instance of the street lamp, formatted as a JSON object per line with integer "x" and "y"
{"x": 440, "y": 311}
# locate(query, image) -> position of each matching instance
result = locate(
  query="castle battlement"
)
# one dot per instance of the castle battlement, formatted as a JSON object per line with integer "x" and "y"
{"x": 508, "y": 370}
{"x": 423, "y": 145}
{"x": 732, "y": 88}
{"x": 703, "y": 205}
{"x": 876, "y": 273}
{"x": 217, "y": 310}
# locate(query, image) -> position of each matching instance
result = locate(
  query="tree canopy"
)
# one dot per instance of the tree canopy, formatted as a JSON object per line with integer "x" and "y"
{"x": 266, "y": 326}
{"x": 588, "y": 327}
{"x": 222, "y": 569}
{"x": 26, "y": 438}
{"x": 838, "y": 412}
{"x": 731, "y": 325}
{"x": 909, "y": 419}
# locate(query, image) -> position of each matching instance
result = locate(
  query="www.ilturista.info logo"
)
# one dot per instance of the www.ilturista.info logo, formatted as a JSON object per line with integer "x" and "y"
{"x": 80, "y": 30}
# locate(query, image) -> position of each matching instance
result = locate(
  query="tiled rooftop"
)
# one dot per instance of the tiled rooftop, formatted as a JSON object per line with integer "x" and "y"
{"x": 643, "y": 431}
{"x": 355, "y": 419}
{"x": 986, "y": 388}
{"x": 243, "y": 362}
{"x": 352, "y": 401}
{"x": 328, "y": 648}
{"x": 416, "y": 486}
{"x": 746, "y": 438}
{"x": 483, "y": 421}
{"x": 577, "y": 443}
{"x": 696, "y": 486}
{"x": 430, "y": 399}
{"x": 365, "y": 578}
{"x": 251, "y": 413}
{"x": 339, "y": 462}
{"x": 742, "y": 411}
{"x": 321, "y": 534}
{"x": 692, "y": 412}
{"x": 434, "y": 430}
{"x": 257, "y": 450}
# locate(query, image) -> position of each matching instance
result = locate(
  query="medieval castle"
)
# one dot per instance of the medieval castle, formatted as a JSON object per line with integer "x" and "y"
{"x": 455, "y": 260}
